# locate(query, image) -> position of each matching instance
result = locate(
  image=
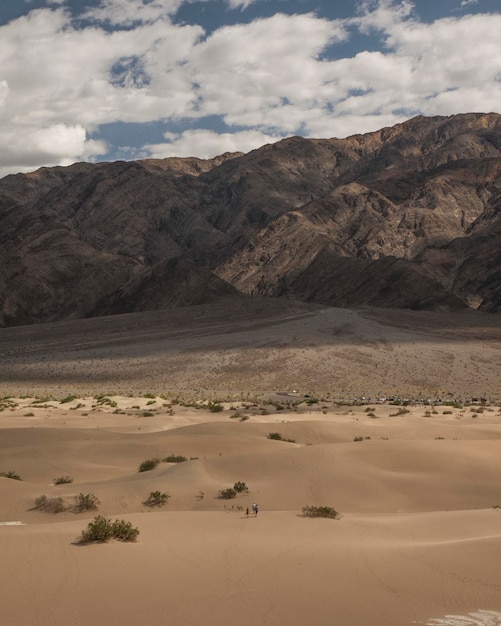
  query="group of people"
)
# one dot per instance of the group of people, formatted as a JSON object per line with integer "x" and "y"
{"x": 255, "y": 510}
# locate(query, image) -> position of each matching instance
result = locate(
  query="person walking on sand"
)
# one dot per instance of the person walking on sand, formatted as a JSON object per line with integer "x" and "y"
{"x": 247, "y": 512}
{"x": 255, "y": 509}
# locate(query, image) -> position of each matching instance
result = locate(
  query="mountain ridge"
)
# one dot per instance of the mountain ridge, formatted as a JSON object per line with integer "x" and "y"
{"x": 407, "y": 216}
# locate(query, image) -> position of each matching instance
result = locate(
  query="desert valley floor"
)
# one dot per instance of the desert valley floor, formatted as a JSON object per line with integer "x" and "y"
{"x": 392, "y": 418}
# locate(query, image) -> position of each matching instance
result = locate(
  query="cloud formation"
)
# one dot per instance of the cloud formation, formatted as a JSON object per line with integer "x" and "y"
{"x": 129, "y": 61}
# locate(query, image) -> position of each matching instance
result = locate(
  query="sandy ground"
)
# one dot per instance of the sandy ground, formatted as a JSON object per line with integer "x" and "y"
{"x": 416, "y": 483}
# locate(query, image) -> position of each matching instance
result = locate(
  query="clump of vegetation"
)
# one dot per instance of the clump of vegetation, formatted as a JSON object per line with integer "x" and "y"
{"x": 63, "y": 480}
{"x": 29, "y": 414}
{"x": 227, "y": 494}
{"x": 454, "y": 404}
{"x": 360, "y": 438}
{"x": 85, "y": 502}
{"x": 240, "y": 487}
{"x": 215, "y": 406}
{"x": 399, "y": 412}
{"x": 279, "y": 437}
{"x": 103, "y": 399}
{"x": 49, "y": 505}
{"x": 10, "y": 474}
{"x": 148, "y": 465}
{"x": 320, "y": 511}
{"x": 148, "y": 414}
{"x": 157, "y": 498}
{"x": 312, "y": 401}
{"x": 101, "y": 529}
{"x": 67, "y": 399}
{"x": 174, "y": 458}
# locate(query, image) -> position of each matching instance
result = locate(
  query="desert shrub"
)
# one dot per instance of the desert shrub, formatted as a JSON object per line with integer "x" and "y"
{"x": 149, "y": 395}
{"x": 279, "y": 437}
{"x": 240, "y": 487}
{"x": 148, "y": 465}
{"x": 63, "y": 480}
{"x": 150, "y": 402}
{"x": 12, "y": 475}
{"x": 85, "y": 502}
{"x": 320, "y": 511}
{"x": 148, "y": 414}
{"x": 100, "y": 529}
{"x": 67, "y": 399}
{"x": 49, "y": 505}
{"x": 157, "y": 498}
{"x": 360, "y": 438}
{"x": 174, "y": 458}
{"x": 124, "y": 531}
{"x": 399, "y": 412}
{"x": 227, "y": 494}
{"x": 215, "y": 407}
{"x": 29, "y": 414}
{"x": 446, "y": 412}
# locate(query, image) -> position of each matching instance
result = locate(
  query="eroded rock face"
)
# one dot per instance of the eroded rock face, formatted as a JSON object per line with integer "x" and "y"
{"x": 408, "y": 216}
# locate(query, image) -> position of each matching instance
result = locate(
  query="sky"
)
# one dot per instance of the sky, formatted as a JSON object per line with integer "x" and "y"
{"x": 106, "y": 80}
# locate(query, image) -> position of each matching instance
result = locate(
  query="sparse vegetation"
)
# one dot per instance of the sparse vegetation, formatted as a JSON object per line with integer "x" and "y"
{"x": 101, "y": 529}
{"x": 279, "y": 437}
{"x": 215, "y": 406}
{"x": 174, "y": 458}
{"x": 67, "y": 399}
{"x": 240, "y": 487}
{"x": 50, "y": 505}
{"x": 63, "y": 480}
{"x": 320, "y": 511}
{"x": 360, "y": 438}
{"x": 227, "y": 494}
{"x": 85, "y": 502}
{"x": 148, "y": 465}
{"x": 157, "y": 498}
{"x": 12, "y": 475}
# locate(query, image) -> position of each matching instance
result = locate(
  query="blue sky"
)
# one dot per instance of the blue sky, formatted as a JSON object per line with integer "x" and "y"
{"x": 94, "y": 80}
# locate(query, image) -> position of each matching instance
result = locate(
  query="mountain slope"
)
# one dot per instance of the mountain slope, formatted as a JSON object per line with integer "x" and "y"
{"x": 408, "y": 216}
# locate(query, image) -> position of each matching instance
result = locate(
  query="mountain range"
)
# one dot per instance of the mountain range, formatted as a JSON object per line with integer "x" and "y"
{"x": 405, "y": 217}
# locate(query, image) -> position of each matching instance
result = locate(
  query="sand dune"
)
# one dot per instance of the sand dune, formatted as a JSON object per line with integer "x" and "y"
{"x": 419, "y": 537}
{"x": 416, "y": 483}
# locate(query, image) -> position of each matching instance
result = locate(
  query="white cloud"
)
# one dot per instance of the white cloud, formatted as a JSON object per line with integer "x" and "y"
{"x": 268, "y": 78}
{"x": 206, "y": 144}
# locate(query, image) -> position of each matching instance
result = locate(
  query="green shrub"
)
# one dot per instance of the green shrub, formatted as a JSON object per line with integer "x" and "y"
{"x": 174, "y": 458}
{"x": 157, "y": 498}
{"x": 215, "y": 407}
{"x": 67, "y": 399}
{"x": 12, "y": 475}
{"x": 85, "y": 502}
{"x": 227, "y": 494}
{"x": 63, "y": 480}
{"x": 124, "y": 531}
{"x": 240, "y": 487}
{"x": 148, "y": 465}
{"x": 100, "y": 529}
{"x": 320, "y": 511}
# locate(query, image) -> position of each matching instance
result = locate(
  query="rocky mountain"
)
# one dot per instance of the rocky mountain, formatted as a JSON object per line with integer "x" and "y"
{"x": 408, "y": 216}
